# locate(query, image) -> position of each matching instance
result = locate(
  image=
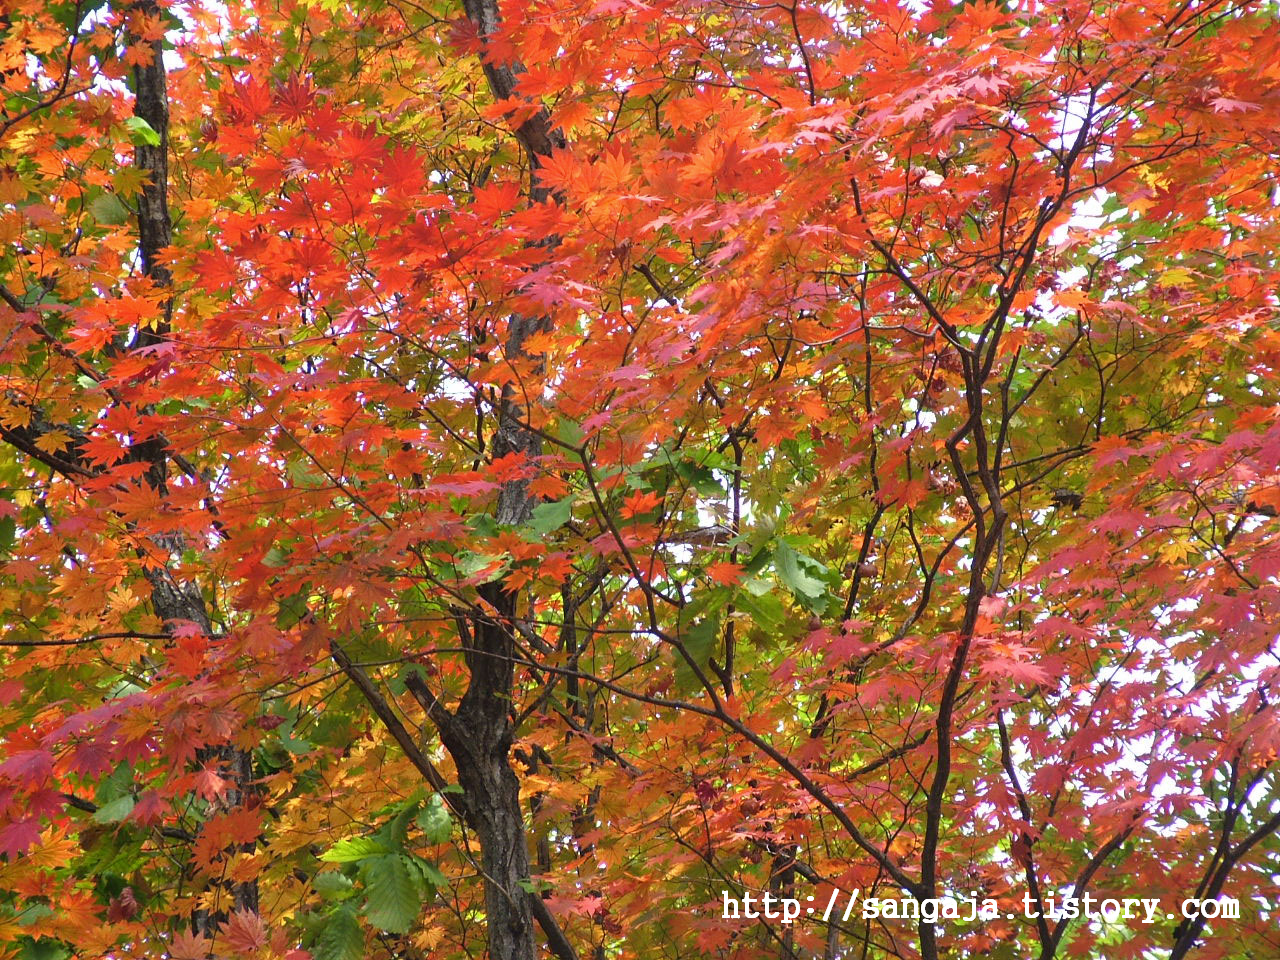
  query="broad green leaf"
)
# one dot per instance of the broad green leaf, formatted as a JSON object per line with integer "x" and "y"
{"x": 700, "y": 639}
{"x": 434, "y": 821}
{"x": 395, "y": 832}
{"x": 275, "y": 558}
{"x": 341, "y": 938}
{"x": 764, "y": 608}
{"x": 792, "y": 570}
{"x": 304, "y": 474}
{"x": 699, "y": 642}
{"x": 108, "y": 209}
{"x": 354, "y": 849}
{"x": 484, "y": 525}
{"x": 115, "y": 811}
{"x": 124, "y": 688}
{"x": 32, "y": 913}
{"x": 551, "y": 516}
{"x": 569, "y": 431}
{"x": 469, "y": 564}
{"x": 393, "y": 900}
{"x": 43, "y": 949}
{"x": 141, "y": 132}
{"x": 291, "y": 609}
{"x": 699, "y": 477}
{"x": 332, "y": 885}
{"x": 429, "y": 872}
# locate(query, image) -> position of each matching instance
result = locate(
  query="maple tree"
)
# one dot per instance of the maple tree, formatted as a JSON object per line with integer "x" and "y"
{"x": 490, "y": 478}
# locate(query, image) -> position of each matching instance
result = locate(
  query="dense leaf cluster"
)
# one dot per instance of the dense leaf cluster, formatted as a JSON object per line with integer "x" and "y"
{"x": 497, "y": 476}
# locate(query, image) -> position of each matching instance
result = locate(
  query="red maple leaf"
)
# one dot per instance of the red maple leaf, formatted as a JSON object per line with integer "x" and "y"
{"x": 244, "y": 932}
{"x": 30, "y": 767}
{"x": 18, "y": 838}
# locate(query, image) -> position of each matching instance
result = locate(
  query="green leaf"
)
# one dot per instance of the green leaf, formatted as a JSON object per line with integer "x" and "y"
{"x": 393, "y": 901}
{"x": 551, "y": 516}
{"x": 429, "y": 873}
{"x": 469, "y": 564}
{"x": 764, "y": 609}
{"x": 43, "y": 949}
{"x": 304, "y": 473}
{"x": 341, "y": 938}
{"x": 292, "y": 609}
{"x": 115, "y": 811}
{"x": 706, "y": 603}
{"x": 700, "y": 639}
{"x": 118, "y": 783}
{"x": 484, "y": 525}
{"x": 354, "y": 849}
{"x": 569, "y": 431}
{"x": 396, "y": 830}
{"x": 71, "y": 15}
{"x": 332, "y": 885}
{"x": 791, "y": 567}
{"x": 126, "y": 688}
{"x": 33, "y": 912}
{"x": 699, "y": 642}
{"x": 275, "y": 558}
{"x": 141, "y": 133}
{"x": 434, "y": 821}
{"x": 700, "y": 477}
{"x": 108, "y": 209}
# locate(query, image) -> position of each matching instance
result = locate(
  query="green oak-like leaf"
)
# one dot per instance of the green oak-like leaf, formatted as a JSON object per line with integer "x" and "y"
{"x": 393, "y": 899}
{"x": 354, "y": 849}
{"x": 341, "y": 938}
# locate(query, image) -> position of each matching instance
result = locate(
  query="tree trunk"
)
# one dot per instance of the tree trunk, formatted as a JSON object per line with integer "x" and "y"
{"x": 478, "y": 735}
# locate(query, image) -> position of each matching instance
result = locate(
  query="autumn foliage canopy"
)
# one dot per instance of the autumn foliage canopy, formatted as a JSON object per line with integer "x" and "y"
{"x": 496, "y": 478}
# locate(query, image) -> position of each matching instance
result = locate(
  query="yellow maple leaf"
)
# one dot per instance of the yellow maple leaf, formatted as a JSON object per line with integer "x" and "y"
{"x": 55, "y": 850}
{"x": 53, "y": 441}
